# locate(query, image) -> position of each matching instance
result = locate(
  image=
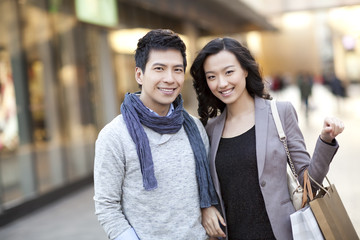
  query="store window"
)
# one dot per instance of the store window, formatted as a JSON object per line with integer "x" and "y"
{"x": 64, "y": 128}
{"x": 9, "y": 138}
{"x": 48, "y": 116}
{"x": 16, "y": 173}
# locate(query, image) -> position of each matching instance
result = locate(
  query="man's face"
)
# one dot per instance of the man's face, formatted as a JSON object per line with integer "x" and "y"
{"x": 162, "y": 80}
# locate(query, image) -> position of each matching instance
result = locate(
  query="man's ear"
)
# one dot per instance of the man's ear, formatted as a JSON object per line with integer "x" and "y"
{"x": 138, "y": 75}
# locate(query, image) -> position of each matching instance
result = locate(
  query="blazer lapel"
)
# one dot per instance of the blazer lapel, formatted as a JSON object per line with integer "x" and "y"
{"x": 215, "y": 139}
{"x": 261, "y": 129}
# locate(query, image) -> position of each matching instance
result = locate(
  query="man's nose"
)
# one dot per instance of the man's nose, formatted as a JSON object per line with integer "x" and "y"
{"x": 169, "y": 77}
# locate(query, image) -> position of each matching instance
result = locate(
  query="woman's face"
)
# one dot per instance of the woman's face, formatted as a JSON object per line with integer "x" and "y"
{"x": 225, "y": 77}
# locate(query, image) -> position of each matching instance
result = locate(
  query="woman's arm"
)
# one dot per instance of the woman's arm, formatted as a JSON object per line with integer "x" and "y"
{"x": 324, "y": 151}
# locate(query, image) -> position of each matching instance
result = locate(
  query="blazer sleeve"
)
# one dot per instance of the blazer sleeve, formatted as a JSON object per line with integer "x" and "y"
{"x": 318, "y": 164}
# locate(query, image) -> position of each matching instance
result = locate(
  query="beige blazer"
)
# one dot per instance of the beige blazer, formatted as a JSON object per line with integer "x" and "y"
{"x": 272, "y": 160}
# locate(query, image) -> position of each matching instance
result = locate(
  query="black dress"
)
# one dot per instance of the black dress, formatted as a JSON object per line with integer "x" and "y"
{"x": 237, "y": 171}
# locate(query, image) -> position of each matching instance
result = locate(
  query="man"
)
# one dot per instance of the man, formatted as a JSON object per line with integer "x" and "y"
{"x": 151, "y": 172}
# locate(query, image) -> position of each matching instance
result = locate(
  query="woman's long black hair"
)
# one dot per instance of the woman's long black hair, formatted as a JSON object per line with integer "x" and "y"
{"x": 209, "y": 105}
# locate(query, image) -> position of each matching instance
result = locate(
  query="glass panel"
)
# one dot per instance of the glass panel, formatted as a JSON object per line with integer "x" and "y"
{"x": 76, "y": 92}
{"x": 125, "y": 75}
{"x": 9, "y": 137}
{"x": 54, "y": 111}
{"x": 16, "y": 172}
{"x": 43, "y": 100}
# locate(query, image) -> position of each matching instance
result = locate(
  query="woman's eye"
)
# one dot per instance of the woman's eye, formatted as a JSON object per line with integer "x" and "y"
{"x": 179, "y": 70}
{"x": 229, "y": 72}
{"x": 210, "y": 77}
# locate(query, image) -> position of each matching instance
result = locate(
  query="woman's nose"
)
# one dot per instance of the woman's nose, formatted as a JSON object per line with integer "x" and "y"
{"x": 222, "y": 82}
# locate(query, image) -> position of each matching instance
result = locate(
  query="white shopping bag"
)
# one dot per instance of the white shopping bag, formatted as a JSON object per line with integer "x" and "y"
{"x": 304, "y": 225}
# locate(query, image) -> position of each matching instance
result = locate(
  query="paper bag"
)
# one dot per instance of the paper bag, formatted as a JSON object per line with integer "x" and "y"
{"x": 331, "y": 215}
{"x": 304, "y": 226}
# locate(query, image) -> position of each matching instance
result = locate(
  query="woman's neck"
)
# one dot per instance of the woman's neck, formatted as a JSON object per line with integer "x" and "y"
{"x": 240, "y": 117}
{"x": 243, "y": 106}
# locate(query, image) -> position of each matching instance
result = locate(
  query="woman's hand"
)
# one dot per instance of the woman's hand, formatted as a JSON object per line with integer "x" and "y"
{"x": 210, "y": 220}
{"x": 332, "y": 127}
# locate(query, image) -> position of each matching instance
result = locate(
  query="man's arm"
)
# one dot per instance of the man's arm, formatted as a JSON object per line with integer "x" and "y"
{"x": 109, "y": 173}
{"x": 128, "y": 235}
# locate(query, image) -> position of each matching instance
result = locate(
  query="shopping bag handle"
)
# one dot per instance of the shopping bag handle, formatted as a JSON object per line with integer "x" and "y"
{"x": 307, "y": 189}
{"x": 319, "y": 185}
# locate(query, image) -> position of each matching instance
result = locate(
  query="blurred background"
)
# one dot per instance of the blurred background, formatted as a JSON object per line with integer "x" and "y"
{"x": 65, "y": 66}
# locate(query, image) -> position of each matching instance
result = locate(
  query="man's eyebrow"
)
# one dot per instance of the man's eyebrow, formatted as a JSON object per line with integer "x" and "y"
{"x": 162, "y": 64}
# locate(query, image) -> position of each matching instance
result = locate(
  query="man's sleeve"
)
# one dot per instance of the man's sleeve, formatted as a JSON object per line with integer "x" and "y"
{"x": 109, "y": 173}
{"x": 128, "y": 235}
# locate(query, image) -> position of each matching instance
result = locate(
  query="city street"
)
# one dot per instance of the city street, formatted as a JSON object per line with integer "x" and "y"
{"x": 72, "y": 218}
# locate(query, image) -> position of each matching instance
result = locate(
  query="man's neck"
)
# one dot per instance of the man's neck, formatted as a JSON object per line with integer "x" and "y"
{"x": 166, "y": 113}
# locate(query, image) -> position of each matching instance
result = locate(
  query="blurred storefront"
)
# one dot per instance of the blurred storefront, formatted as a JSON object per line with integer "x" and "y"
{"x": 64, "y": 68}
{"x": 317, "y": 37}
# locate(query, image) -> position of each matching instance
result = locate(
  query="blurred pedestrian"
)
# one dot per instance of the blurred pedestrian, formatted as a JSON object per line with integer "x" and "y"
{"x": 337, "y": 88}
{"x": 247, "y": 159}
{"x": 151, "y": 171}
{"x": 305, "y": 84}
{"x": 277, "y": 83}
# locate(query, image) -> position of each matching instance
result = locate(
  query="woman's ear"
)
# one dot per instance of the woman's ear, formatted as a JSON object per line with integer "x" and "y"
{"x": 138, "y": 75}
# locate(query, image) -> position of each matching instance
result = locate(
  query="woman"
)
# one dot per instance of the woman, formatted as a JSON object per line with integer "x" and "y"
{"x": 247, "y": 159}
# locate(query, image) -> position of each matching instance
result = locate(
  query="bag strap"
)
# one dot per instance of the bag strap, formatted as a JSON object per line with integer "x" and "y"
{"x": 307, "y": 189}
{"x": 282, "y": 135}
{"x": 307, "y": 185}
{"x": 277, "y": 120}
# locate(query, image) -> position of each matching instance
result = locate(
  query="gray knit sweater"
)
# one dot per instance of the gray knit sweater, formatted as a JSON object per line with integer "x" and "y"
{"x": 172, "y": 211}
